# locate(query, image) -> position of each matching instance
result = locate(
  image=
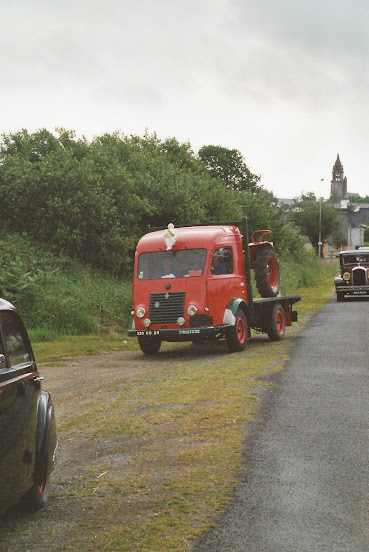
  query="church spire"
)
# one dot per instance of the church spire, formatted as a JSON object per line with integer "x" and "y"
{"x": 339, "y": 180}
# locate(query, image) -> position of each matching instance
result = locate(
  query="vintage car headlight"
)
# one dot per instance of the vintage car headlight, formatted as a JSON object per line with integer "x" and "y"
{"x": 147, "y": 322}
{"x": 140, "y": 312}
{"x": 346, "y": 276}
{"x": 191, "y": 310}
{"x": 180, "y": 321}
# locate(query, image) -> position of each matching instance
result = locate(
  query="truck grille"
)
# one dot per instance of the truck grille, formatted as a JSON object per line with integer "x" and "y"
{"x": 166, "y": 307}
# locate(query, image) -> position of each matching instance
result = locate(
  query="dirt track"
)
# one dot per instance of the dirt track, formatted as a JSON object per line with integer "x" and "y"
{"x": 71, "y": 510}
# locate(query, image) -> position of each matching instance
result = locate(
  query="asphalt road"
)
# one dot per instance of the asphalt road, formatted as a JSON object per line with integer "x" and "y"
{"x": 306, "y": 481}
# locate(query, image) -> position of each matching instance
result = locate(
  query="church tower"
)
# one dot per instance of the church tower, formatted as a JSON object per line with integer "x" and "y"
{"x": 339, "y": 181}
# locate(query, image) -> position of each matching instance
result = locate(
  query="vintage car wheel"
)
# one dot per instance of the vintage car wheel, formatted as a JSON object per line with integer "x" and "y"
{"x": 277, "y": 324}
{"x": 237, "y": 335}
{"x": 37, "y": 496}
{"x": 149, "y": 345}
{"x": 266, "y": 269}
{"x": 340, "y": 296}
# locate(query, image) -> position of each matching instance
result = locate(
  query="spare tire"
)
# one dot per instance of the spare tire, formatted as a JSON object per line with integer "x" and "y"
{"x": 266, "y": 269}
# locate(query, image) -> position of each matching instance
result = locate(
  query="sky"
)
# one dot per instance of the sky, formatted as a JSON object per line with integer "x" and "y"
{"x": 285, "y": 82}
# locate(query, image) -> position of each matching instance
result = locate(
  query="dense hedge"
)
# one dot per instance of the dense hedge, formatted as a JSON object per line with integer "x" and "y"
{"x": 93, "y": 200}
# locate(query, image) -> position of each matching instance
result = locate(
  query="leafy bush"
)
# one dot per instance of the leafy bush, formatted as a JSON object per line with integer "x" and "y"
{"x": 59, "y": 295}
{"x": 94, "y": 200}
{"x": 305, "y": 271}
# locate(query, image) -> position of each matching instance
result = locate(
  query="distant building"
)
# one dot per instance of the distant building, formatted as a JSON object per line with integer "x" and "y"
{"x": 339, "y": 181}
{"x": 355, "y": 217}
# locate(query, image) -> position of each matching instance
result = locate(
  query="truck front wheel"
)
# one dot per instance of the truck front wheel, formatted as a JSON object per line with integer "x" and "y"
{"x": 237, "y": 334}
{"x": 277, "y": 324}
{"x": 266, "y": 269}
{"x": 149, "y": 345}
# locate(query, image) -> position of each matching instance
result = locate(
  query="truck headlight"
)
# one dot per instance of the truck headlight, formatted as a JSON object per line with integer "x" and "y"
{"x": 346, "y": 276}
{"x": 140, "y": 312}
{"x": 191, "y": 310}
{"x": 180, "y": 321}
{"x": 147, "y": 322}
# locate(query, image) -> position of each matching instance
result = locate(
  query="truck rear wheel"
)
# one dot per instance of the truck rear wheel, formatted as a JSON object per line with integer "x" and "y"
{"x": 266, "y": 269}
{"x": 277, "y": 324}
{"x": 237, "y": 334}
{"x": 149, "y": 345}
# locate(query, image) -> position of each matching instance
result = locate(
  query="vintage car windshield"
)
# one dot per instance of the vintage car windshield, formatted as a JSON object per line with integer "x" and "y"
{"x": 171, "y": 264}
{"x": 356, "y": 259}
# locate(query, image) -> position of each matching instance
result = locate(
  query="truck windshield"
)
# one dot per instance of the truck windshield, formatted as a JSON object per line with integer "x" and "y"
{"x": 171, "y": 264}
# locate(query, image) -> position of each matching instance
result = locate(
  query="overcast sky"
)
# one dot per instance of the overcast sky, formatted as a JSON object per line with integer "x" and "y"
{"x": 286, "y": 82}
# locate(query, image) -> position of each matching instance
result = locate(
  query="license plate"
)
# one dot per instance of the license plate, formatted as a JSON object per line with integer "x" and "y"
{"x": 148, "y": 332}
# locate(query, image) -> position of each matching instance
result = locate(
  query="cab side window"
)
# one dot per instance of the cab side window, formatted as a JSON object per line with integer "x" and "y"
{"x": 222, "y": 261}
{"x": 15, "y": 339}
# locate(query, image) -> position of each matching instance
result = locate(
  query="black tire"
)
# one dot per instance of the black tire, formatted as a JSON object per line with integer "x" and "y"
{"x": 149, "y": 345}
{"x": 277, "y": 323}
{"x": 198, "y": 339}
{"x": 38, "y": 494}
{"x": 237, "y": 335}
{"x": 340, "y": 296}
{"x": 267, "y": 275}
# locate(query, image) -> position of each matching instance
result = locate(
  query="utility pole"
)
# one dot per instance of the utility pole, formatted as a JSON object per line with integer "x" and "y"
{"x": 320, "y": 225}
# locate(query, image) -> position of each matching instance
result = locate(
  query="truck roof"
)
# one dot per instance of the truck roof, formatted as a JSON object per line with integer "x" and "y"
{"x": 188, "y": 237}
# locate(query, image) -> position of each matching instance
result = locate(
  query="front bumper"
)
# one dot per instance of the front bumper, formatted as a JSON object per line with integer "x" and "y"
{"x": 181, "y": 334}
{"x": 353, "y": 290}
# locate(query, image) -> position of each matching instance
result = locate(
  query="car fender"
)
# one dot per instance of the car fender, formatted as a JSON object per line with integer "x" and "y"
{"x": 229, "y": 317}
{"x": 46, "y": 440}
{"x": 339, "y": 281}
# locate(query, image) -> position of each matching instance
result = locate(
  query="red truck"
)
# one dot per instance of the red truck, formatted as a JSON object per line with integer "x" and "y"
{"x": 193, "y": 283}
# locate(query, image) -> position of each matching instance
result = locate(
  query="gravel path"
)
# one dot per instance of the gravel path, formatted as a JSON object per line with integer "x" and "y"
{"x": 306, "y": 486}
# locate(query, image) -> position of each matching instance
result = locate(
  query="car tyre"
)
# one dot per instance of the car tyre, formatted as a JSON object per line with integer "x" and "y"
{"x": 198, "y": 339}
{"x": 37, "y": 495}
{"x": 149, "y": 345}
{"x": 340, "y": 296}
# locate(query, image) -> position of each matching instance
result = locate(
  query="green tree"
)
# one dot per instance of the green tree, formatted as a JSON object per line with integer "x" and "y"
{"x": 228, "y": 166}
{"x": 338, "y": 239}
{"x": 93, "y": 200}
{"x": 311, "y": 216}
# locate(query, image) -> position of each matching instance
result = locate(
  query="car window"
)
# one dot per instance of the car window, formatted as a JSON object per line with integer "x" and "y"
{"x": 222, "y": 261}
{"x": 15, "y": 339}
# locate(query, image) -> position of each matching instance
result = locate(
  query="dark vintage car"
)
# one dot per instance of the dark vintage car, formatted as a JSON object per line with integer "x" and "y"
{"x": 354, "y": 278}
{"x": 28, "y": 440}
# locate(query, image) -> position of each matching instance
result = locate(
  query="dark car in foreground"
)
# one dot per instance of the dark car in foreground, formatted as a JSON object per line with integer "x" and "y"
{"x": 28, "y": 439}
{"x": 354, "y": 276}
